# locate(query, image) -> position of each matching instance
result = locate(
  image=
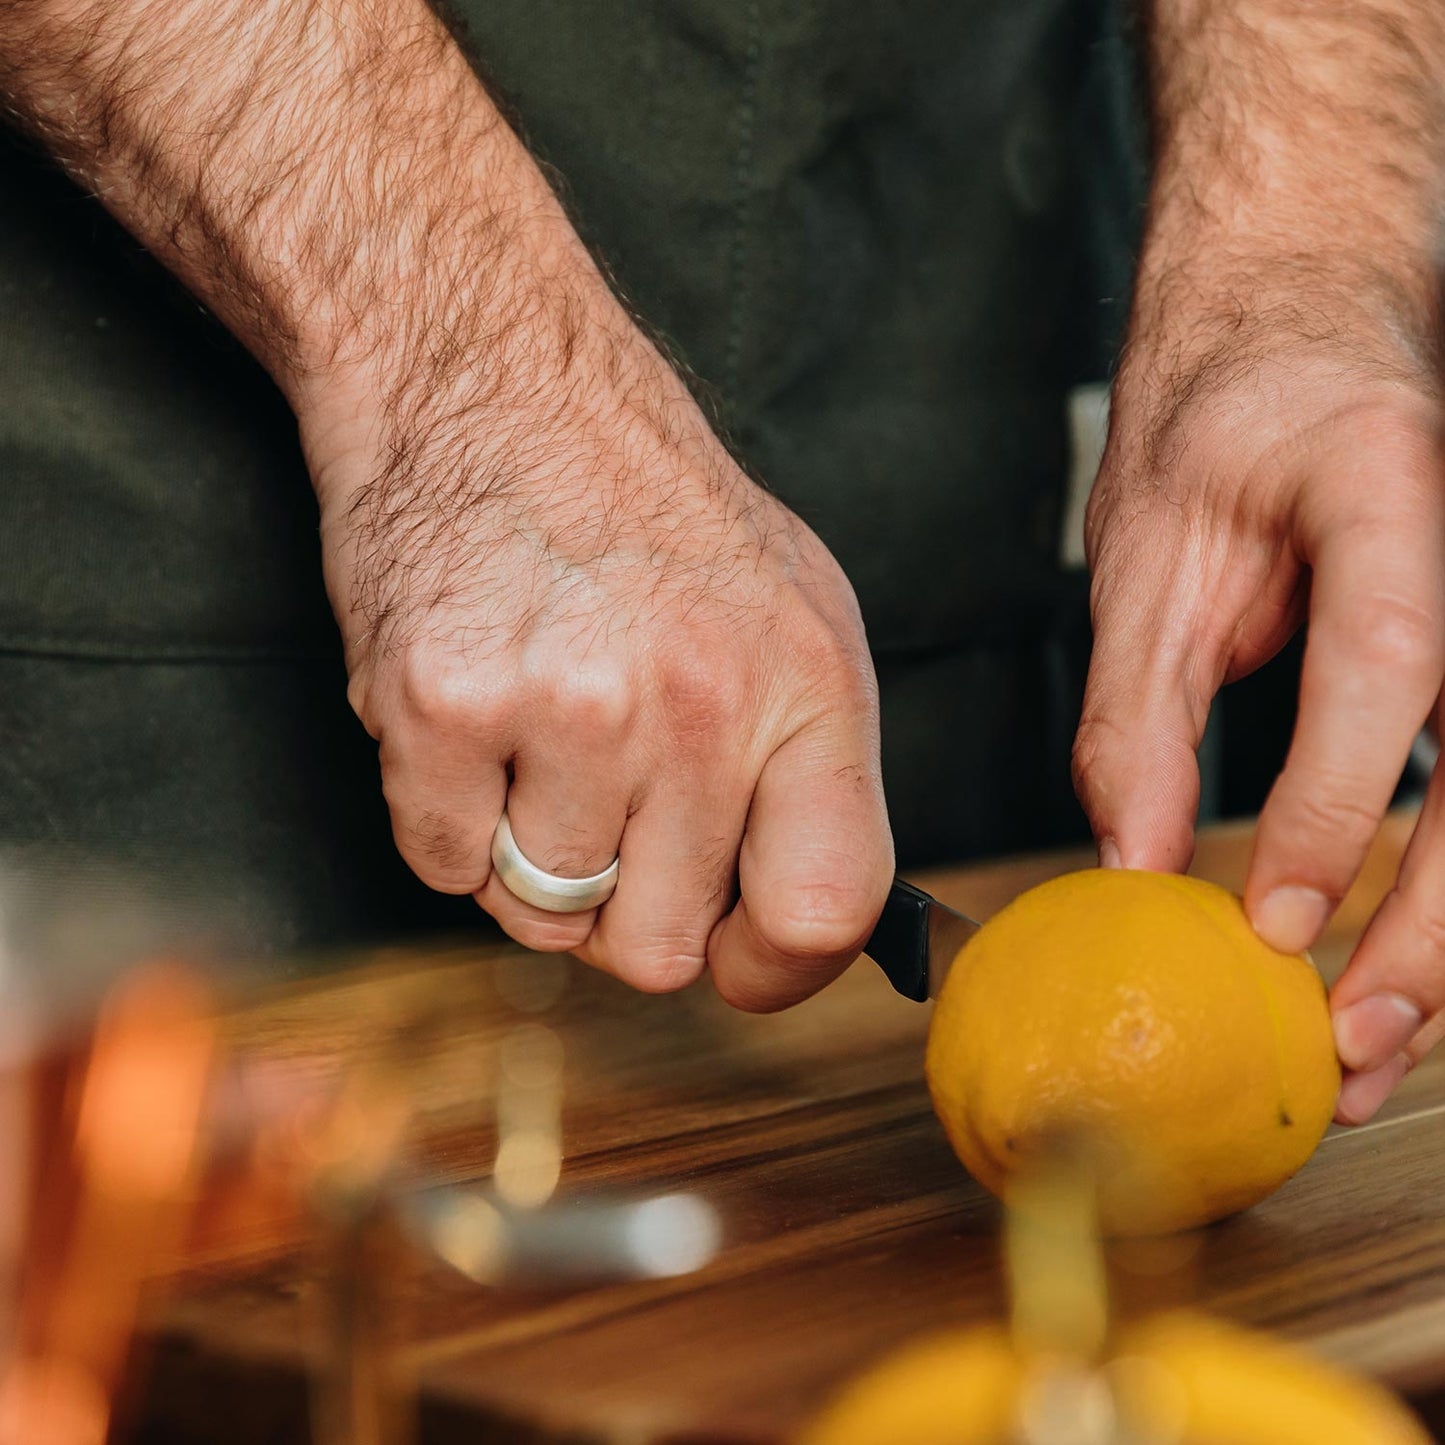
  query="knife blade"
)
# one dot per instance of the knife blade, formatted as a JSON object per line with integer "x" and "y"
{"x": 916, "y": 940}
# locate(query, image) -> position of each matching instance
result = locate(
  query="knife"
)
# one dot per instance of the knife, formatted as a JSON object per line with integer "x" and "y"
{"x": 916, "y": 940}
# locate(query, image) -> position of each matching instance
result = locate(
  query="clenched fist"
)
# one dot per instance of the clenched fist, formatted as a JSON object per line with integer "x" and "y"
{"x": 560, "y": 595}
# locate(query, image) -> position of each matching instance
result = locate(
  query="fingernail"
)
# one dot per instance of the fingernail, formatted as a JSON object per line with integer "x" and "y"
{"x": 1362, "y": 1094}
{"x": 1375, "y": 1029}
{"x": 1290, "y": 919}
{"x": 1109, "y": 854}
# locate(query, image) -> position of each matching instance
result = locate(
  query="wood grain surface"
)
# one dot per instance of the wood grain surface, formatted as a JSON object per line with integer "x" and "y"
{"x": 848, "y": 1225}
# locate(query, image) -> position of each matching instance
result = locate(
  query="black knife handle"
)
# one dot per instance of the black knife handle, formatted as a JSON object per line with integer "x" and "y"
{"x": 899, "y": 942}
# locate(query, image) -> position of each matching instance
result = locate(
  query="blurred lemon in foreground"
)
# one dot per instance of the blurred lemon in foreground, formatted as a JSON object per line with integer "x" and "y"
{"x": 1175, "y": 1379}
{"x": 1141, "y": 1010}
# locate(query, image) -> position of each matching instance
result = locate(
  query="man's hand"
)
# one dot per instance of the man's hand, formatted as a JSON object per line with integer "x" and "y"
{"x": 1276, "y": 454}
{"x": 572, "y": 601}
{"x": 556, "y": 589}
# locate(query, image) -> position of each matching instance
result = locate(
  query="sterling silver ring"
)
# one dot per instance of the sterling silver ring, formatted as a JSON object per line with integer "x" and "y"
{"x": 523, "y": 879}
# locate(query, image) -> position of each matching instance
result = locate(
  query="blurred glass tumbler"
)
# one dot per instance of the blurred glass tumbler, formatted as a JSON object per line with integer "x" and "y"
{"x": 107, "y": 1042}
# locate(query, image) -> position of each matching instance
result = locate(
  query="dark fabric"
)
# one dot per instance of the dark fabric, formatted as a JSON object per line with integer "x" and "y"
{"x": 245, "y": 782}
{"x": 152, "y": 495}
{"x": 977, "y": 742}
{"x": 865, "y": 228}
{"x": 863, "y": 224}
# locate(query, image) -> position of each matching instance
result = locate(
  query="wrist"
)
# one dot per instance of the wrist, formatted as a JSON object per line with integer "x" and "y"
{"x": 1243, "y": 347}
{"x": 1299, "y": 171}
{"x": 461, "y": 382}
{"x": 1201, "y": 300}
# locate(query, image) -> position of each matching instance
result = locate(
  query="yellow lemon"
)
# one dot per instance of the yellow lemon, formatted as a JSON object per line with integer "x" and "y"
{"x": 1242, "y": 1388}
{"x": 962, "y": 1386}
{"x": 1141, "y": 1010}
{"x": 1176, "y": 1379}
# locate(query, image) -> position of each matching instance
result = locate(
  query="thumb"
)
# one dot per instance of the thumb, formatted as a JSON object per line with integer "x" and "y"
{"x": 814, "y": 869}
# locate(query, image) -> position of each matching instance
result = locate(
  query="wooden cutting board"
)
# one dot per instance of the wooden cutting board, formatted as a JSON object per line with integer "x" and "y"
{"x": 847, "y": 1223}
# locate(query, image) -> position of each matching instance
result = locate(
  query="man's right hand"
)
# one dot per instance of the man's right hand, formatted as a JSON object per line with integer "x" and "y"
{"x": 564, "y": 597}
{"x": 556, "y": 589}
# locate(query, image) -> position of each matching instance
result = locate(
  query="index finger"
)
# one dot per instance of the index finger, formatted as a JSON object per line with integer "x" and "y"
{"x": 1373, "y": 662}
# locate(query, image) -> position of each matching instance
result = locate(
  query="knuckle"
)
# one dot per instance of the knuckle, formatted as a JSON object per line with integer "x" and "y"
{"x": 444, "y": 695}
{"x": 1329, "y": 811}
{"x": 826, "y": 655}
{"x": 558, "y": 933}
{"x": 1398, "y": 635}
{"x": 656, "y": 955}
{"x": 703, "y": 691}
{"x": 1427, "y": 920}
{"x": 819, "y": 922}
{"x": 599, "y": 701}
{"x": 1418, "y": 909}
{"x": 664, "y": 968}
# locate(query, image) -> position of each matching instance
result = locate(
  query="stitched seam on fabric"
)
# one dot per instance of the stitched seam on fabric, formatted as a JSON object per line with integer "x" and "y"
{"x": 742, "y": 198}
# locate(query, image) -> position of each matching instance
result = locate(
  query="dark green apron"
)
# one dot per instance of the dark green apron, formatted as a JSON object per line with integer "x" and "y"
{"x": 879, "y": 233}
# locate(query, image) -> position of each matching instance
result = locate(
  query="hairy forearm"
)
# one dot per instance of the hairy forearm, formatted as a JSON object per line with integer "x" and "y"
{"x": 1299, "y": 153}
{"x": 328, "y": 175}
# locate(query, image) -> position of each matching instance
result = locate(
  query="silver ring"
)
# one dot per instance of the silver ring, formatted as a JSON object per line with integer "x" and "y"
{"x": 523, "y": 879}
